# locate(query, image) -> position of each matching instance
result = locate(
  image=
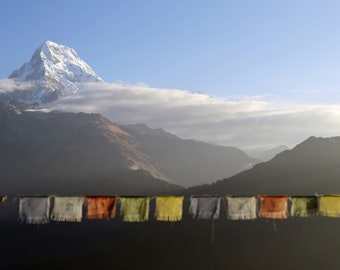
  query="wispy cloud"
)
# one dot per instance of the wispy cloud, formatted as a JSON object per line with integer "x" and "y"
{"x": 245, "y": 123}
{"x": 9, "y": 85}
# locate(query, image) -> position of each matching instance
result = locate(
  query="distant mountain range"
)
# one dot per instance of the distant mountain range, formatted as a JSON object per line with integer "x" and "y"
{"x": 311, "y": 167}
{"x": 64, "y": 152}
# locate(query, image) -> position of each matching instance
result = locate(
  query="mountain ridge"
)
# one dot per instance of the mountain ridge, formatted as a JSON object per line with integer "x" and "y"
{"x": 64, "y": 152}
{"x": 313, "y": 166}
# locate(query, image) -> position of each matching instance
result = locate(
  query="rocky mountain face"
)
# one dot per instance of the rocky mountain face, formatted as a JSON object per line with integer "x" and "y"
{"x": 55, "y": 71}
{"x": 311, "y": 167}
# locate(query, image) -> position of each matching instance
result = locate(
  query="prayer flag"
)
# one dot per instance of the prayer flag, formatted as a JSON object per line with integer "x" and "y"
{"x": 35, "y": 210}
{"x": 241, "y": 208}
{"x": 274, "y": 207}
{"x": 306, "y": 206}
{"x": 330, "y": 206}
{"x": 68, "y": 209}
{"x": 134, "y": 209}
{"x": 169, "y": 208}
{"x": 101, "y": 207}
{"x": 205, "y": 207}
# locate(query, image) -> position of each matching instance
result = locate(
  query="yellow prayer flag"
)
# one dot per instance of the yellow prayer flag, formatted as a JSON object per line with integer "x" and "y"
{"x": 169, "y": 208}
{"x": 330, "y": 206}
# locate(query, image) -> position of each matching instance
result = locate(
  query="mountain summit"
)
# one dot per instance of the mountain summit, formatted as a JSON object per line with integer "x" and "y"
{"x": 56, "y": 71}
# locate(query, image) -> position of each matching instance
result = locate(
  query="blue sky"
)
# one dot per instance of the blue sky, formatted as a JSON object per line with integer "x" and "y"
{"x": 235, "y": 49}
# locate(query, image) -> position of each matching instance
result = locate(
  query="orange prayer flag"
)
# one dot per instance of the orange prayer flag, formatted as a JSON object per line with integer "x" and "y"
{"x": 274, "y": 207}
{"x": 101, "y": 207}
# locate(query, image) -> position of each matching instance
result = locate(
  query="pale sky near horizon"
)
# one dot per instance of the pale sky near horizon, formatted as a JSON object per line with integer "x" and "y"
{"x": 282, "y": 53}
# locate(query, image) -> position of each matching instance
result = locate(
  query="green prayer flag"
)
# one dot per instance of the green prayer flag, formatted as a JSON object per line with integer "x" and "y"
{"x": 134, "y": 209}
{"x": 304, "y": 206}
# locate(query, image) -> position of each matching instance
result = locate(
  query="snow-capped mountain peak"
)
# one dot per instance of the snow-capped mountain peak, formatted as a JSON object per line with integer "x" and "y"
{"x": 57, "y": 70}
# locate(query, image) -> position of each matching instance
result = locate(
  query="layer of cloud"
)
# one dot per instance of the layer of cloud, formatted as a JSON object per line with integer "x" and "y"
{"x": 10, "y": 85}
{"x": 247, "y": 124}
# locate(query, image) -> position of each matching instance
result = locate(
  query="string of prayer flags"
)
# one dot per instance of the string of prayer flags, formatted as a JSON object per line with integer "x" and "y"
{"x": 134, "y": 209}
{"x": 101, "y": 207}
{"x": 274, "y": 207}
{"x": 241, "y": 208}
{"x": 68, "y": 209}
{"x": 304, "y": 206}
{"x": 205, "y": 207}
{"x": 169, "y": 208}
{"x": 35, "y": 210}
{"x": 3, "y": 198}
{"x": 330, "y": 206}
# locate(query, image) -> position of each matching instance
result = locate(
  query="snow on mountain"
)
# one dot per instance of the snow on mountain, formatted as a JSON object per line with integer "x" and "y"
{"x": 57, "y": 71}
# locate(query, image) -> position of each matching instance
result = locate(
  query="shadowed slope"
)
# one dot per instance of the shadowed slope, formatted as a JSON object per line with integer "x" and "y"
{"x": 66, "y": 152}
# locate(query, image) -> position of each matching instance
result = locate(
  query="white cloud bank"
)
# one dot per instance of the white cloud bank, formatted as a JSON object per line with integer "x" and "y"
{"x": 248, "y": 124}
